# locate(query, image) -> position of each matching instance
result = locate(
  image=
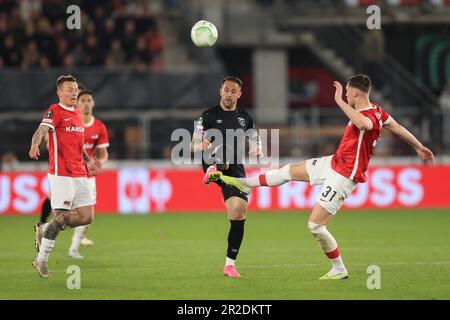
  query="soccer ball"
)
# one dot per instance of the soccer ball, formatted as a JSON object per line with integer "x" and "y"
{"x": 204, "y": 34}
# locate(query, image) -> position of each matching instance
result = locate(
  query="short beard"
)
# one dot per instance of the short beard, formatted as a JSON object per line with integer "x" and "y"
{"x": 225, "y": 104}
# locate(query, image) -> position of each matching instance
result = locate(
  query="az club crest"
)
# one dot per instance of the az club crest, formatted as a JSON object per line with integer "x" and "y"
{"x": 241, "y": 121}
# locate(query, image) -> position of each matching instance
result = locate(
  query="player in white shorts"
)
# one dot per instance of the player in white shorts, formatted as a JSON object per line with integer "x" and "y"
{"x": 338, "y": 173}
{"x": 96, "y": 142}
{"x": 69, "y": 165}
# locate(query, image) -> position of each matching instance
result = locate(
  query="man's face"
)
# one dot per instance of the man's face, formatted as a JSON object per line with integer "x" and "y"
{"x": 67, "y": 93}
{"x": 230, "y": 92}
{"x": 351, "y": 94}
{"x": 86, "y": 104}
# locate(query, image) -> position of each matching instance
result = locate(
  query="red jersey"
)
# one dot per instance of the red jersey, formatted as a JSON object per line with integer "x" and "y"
{"x": 356, "y": 147}
{"x": 66, "y": 141}
{"x": 95, "y": 136}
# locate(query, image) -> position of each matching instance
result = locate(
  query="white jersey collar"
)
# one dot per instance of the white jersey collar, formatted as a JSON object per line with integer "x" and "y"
{"x": 66, "y": 107}
{"x": 90, "y": 123}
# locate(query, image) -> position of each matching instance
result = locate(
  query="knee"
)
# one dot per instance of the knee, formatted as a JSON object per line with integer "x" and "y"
{"x": 316, "y": 229}
{"x": 297, "y": 172}
{"x": 236, "y": 213}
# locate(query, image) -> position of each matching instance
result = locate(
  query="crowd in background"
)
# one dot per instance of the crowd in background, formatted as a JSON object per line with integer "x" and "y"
{"x": 33, "y": 34}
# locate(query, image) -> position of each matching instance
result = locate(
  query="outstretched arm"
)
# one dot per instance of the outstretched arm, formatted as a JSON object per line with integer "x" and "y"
{"x": 359, "y": 120}
{"x": 34, "y": 152}
{"x": 400, "y": 131}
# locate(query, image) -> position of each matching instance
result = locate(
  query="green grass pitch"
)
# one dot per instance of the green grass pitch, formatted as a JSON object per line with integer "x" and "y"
{"x": 180, "y": 256}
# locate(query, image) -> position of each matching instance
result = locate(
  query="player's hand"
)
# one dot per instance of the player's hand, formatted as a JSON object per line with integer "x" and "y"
{"x": 256, "y": 151}
{"x": 425, "y": 154}
{"x": 98, "y": 164}
{"x": 34, "y": 152}
{"x": 205, "y": 144}
{"x": 338, "y": 92}
{"x": 92, "y": 168}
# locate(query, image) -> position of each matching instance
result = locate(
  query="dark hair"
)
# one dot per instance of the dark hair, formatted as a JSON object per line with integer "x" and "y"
{"x": 63, "y": 79}
{"x": 361, "y": 82}
{"x": 233, "y": 79}
{"x": 85, "y": 92}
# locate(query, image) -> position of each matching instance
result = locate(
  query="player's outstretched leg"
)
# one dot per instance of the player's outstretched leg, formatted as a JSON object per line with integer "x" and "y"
{"x": 237, "y": 209}
{"x": 317, "y": 225}
{"x": 271, "y": 178}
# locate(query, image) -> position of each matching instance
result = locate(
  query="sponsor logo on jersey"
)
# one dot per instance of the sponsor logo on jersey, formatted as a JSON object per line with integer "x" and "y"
{"x": 219, "y": 120}
{"x": 67, "y": 203}
{"x": 241, "y": 121}
{"x": 94, "y": 136}
{"x": 75, "y": 129}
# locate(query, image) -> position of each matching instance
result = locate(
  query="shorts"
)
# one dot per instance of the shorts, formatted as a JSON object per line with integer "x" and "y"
{"x": 70, "y": 193}
{"x": 336, "y": 188}
{"x": 237, "y": 171}
{"x": 230, "y": 191}
{"x": 93, "y": 187}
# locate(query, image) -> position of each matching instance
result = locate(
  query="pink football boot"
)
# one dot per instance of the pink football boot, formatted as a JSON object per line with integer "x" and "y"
{"x": 212, "y": 174}
{"x": 230, "y": 271}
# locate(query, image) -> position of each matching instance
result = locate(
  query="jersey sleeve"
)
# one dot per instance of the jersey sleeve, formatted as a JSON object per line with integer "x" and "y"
{"x": 251, "y": 123}
{"x": 51, "y": 118}
{"x": 370, "y": 114}
{"x": 103, "y": 139}
{"x": 385, "y": 117}
{"x": 203, "y": 123}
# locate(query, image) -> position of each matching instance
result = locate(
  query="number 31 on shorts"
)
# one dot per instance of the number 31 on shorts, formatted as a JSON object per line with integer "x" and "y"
{"x": 327, "y": 192}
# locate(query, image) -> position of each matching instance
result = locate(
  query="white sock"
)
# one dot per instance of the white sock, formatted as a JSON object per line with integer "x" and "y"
{"x": 271, "y": 178}
{"x": 229, "y": 262}
{"x": 45, "y": 249}
{"x": 338, "y": 264}
{"x": 328, "y": 245}
{"x": 78, "y": 235}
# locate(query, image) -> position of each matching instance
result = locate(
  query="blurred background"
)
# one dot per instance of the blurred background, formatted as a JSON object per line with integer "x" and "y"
{"x": 149, "y": 79}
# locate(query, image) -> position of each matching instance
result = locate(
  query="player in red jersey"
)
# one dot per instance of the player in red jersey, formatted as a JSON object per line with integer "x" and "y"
{"x": 67, "y": 172}
{"x": 338, "y": 173}
{"x": 96, "y": 142}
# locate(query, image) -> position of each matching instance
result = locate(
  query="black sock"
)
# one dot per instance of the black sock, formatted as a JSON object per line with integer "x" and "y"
{"x": 45, "y": 210}
{"x": 235, "y": 236}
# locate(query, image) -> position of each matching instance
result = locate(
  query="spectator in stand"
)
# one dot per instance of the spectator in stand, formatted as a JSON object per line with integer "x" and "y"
{"x": 33, "y": 34}
{"x": 116, "y": 56}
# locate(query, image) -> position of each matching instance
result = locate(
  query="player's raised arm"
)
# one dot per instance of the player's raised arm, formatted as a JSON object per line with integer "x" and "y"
{"x": 359, "y": 120}
{"x": 400, "y": 131}
{"x": 36, "y": 140}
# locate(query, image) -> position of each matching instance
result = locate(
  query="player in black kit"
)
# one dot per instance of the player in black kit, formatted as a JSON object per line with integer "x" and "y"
{"x": 224, "y": 156}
